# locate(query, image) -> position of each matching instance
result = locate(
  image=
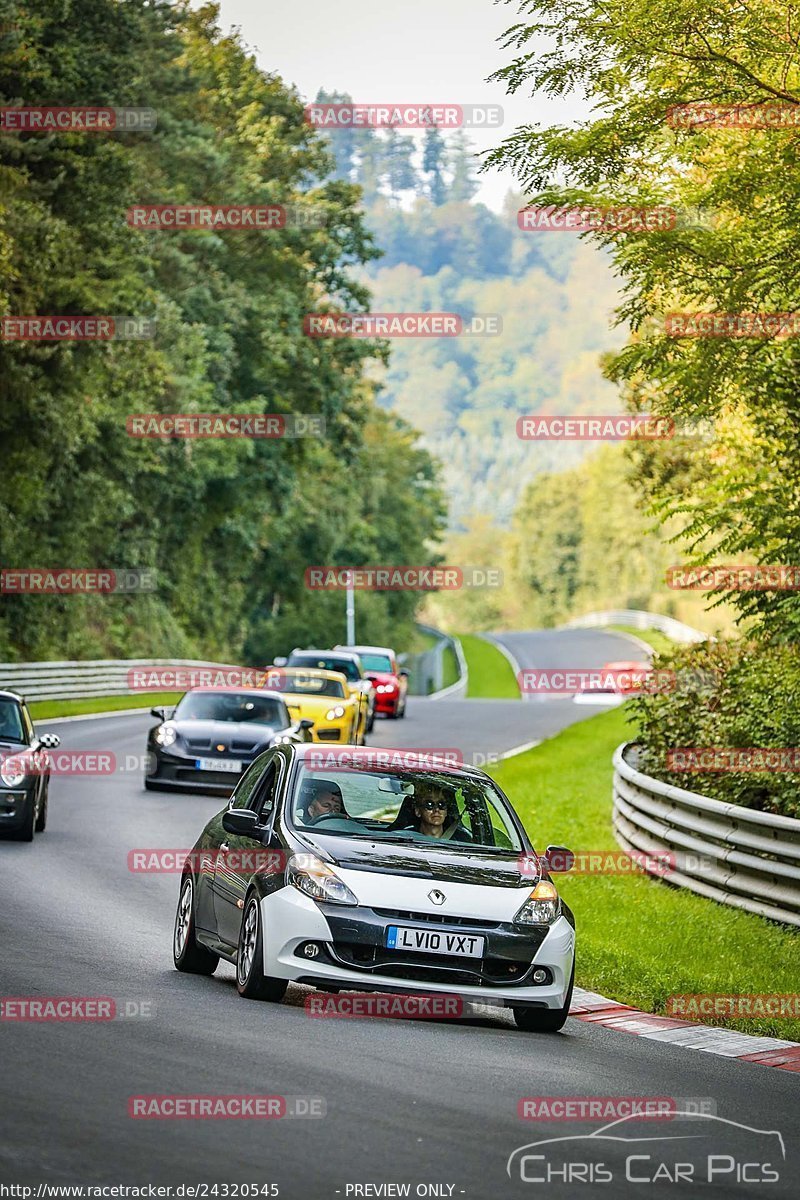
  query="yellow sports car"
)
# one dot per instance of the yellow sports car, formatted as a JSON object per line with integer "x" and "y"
{"x": 319, "y": 696}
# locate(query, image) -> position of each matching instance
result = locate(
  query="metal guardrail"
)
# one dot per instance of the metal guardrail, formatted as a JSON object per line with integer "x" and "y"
{"x": 77, "y": 680}
{"x": 637, "y": 618}
{"x": 426, "y": 670}
{"x": 735, "y": 855}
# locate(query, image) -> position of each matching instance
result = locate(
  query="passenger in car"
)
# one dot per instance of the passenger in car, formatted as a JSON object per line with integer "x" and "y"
{"x": 436, "y": 815}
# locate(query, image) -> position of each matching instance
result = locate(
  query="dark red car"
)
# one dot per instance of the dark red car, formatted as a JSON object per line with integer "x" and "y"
{"x": 390, "y": 680}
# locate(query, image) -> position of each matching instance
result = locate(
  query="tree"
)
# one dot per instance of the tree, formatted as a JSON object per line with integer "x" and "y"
{"x": 434, "y": 165}
{"x": 633, "y": 63}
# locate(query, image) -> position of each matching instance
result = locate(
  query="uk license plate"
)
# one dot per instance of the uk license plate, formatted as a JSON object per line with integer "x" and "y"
{"x": 434, "y": 941}
{"x": 218, "y": 764}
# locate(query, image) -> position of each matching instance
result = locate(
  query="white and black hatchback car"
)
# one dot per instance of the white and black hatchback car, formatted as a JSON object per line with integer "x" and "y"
{"x": 340, "y": 869}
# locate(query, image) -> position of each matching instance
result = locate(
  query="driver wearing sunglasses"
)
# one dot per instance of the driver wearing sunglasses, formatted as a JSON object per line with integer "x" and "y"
{"x": 437, "y": 818}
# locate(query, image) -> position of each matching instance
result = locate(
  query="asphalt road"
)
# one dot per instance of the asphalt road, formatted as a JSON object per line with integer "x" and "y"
{"x": 416, "y": 1103}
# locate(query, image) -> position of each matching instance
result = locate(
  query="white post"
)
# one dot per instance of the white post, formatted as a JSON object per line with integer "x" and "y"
{"x": 351, "y": 611}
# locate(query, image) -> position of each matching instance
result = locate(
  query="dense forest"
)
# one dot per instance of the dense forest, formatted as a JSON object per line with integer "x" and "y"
{"x": 441, "y": 250}
{"x": 227, "y": 525}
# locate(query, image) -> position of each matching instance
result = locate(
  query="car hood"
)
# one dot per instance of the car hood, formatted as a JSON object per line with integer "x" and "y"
{"x": 381, "y": 677}
{"x": 226, "y": 731}
{"x": 438, "y": 863}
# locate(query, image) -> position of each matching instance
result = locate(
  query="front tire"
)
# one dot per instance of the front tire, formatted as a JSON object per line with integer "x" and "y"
{"x": 25, "y": 831}
{"x": 545, "y": 1020}
{"x": 41, "y": 820}
{"x": 251, "y": 981}
{"x": 187, "y": 953}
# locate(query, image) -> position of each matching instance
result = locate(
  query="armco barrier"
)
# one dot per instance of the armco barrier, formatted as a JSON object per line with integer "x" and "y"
{"x": 77, "y": 680}
{"x": 735, "y": 855}
{"x": 636, "y": 618}
{"x": 426, "y": 670}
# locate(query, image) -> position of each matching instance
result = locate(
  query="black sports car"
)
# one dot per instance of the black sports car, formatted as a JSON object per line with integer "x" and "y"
{"x": 212, "y": 736}
{"x": 24, "y": 777}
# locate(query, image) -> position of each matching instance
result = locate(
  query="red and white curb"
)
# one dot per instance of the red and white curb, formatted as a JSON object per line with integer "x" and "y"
{"x": 770, "y": 1052}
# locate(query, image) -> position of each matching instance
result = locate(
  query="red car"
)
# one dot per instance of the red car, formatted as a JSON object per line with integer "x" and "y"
{"x": 391, "y": 681}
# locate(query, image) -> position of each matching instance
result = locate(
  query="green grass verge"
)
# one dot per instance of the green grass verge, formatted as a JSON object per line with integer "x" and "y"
{"x": 491, "y": 676}
{"x": 449, "y": 666}
{"x": 659, "y": 641}
{"x": 640, "y": 940}
{"x": 42, "y": 710}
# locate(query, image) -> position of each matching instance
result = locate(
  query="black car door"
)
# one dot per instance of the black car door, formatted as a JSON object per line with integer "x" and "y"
{"x": 239, "y": 857}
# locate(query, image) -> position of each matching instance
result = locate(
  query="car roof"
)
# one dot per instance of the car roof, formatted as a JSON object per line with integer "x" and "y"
{"x": 363, "y": 753}
{"x": 319, "y": 672}
{"x": 368, "y": 650}
{"x": 234, "y": 691}
{"x": 351, "y": 654}
{"x": 7, "y": 694}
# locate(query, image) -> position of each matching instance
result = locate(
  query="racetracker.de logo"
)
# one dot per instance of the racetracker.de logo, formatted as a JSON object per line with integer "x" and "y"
{"x": 225, "y": 425}
{"x": 352, "y": 758}
{"x": 604, "y": 1108}
{"x": 60, "y": 762}
{"x": 732, "y": 325}
{"x": 403, "y": 116}
{"x": 597, "y": 862}
{"x": 162, "y": 861}
{"x": 401, "y": 578}
{"x": 66, "y": 581}
{"x": 379, "y": 1004}
{"x": 236, "y": 218}
{"x": 32, "y": 119}
{"x": 701, "y": 115}
{"x": 734, "y": 759}
{"x": 76, "y": 329}
{"x": 759, "y": 577}
{"x": 401, "y": 325}
{"x": 616, "y": 428}
{"x": 592, "y": 219}
{"x": 752, "y": 1004}
{"x": 206, "y": 1108}
{"x": 183, "y": 679}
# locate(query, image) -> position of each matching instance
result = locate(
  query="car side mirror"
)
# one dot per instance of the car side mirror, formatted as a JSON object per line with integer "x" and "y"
{"x": 559, "y": 859}
{"x": 242, "y": 821}
{"x": 50, "y": 741}
{"x": 403, "y": 672}
{"x": 158, "y": 712}
{"x": 279, "y": 662}
{"x": 306, "y": 723}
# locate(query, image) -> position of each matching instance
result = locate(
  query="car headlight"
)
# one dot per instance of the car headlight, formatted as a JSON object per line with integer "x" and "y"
{"x": 165, "y": 735}
{"x": 282, "y": 739}
{"x": 542, "y": 906}
{"x": 12, "y": 770}
{"x": 333, "y": 714}
{"x": 313, "y": 878}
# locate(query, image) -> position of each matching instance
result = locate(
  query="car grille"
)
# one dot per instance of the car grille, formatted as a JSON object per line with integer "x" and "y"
{"x": 330, "y": 735}
{"x": 198, "y": 743}
{"x": 431, "y": 968}
{"x": 398, "y": 914}
{"x": 244, "y": 747}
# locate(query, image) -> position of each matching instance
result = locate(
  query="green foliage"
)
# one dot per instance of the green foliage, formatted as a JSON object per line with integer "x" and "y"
{"x": 639, "y": 940}
{"x": 737, "y": 492}
{"x": 491, "y": 675}
{"x": 750, "y": 700}
{"x": 228, "y": 525}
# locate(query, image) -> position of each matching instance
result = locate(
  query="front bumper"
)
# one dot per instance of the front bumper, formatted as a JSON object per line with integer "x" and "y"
{"x": 179, "y": 773}
{"x": 14, "y": 806}
{"x": 352, "y": 953}
{"x": 387, "y": 704}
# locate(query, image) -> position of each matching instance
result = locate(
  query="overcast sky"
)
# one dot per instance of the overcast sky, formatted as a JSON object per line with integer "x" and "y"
{"x": 415, "y": 51}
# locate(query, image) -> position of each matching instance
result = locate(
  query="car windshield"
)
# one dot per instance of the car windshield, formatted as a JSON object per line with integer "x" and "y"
{"x": 11, "y": 721}
{"x": 304, "y": 683}
{"x": 233, "y": 706}
{"x": 376, "y": 662}
{"x": 403, "y": 806}
{"x": 326, "y": 662}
